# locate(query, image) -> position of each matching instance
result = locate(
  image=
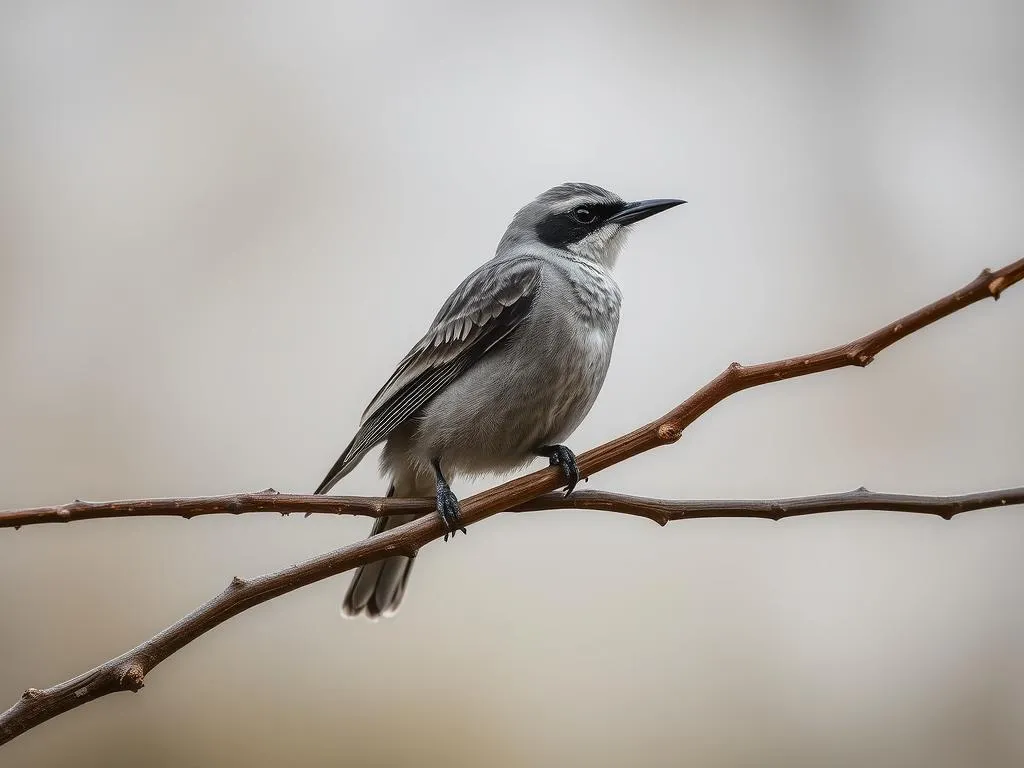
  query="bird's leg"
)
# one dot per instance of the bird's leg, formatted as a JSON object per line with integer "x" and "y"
{"x": 562, "y": 457}
{"x": 447, "y": 503}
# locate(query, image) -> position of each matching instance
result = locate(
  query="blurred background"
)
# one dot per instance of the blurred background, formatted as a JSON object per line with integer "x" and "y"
{"x": 222, "y": 224}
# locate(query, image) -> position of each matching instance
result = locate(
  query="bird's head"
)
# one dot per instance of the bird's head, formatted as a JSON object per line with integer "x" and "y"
{"x": 581, "y": 220}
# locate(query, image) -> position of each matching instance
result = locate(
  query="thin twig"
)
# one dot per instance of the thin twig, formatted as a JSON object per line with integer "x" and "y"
{"x": 127, "y": 671}
{"x": 661, "y": 511}
{"x": 233, "y": 504}
{"x": 664, "y": 511}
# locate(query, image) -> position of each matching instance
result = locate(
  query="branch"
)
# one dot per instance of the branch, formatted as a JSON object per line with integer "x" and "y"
{"x": 127, "y": 671}
{"x": 661, "y": 511}
{"x": 233, "y": 504}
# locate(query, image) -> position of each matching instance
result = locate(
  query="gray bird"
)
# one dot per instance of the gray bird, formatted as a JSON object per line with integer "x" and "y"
{"x": 511, "y": 365}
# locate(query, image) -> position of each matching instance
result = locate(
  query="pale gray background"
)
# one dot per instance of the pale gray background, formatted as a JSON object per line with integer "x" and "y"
{"x": 221, "y": 224}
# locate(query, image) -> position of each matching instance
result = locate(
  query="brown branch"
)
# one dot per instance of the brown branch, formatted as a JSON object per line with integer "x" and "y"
{"x": 661, "y": 511}
{"x": 127, "y": 671}
{"x": 233, "y": 504}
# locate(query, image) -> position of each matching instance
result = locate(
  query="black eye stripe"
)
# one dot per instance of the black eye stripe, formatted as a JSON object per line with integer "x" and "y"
{"x": 561, "y": 229}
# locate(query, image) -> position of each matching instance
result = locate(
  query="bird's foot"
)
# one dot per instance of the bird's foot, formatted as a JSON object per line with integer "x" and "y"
{"x": 562, "y": 457}
{"x": 447, "y": 503}
{"x": 448, "y": 508}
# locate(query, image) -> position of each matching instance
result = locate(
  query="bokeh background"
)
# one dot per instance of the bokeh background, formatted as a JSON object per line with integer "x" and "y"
{"x": 222, "y": 224}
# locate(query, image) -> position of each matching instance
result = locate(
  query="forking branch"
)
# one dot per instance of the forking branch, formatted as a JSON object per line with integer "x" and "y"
{"x": 533, "y": 491}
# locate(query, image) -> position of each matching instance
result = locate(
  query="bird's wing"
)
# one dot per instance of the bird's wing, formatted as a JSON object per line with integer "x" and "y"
{"x": 488, "y": 306}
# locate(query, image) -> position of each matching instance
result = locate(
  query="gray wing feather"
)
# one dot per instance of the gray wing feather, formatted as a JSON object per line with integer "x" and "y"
{"x": 482, "y": 312}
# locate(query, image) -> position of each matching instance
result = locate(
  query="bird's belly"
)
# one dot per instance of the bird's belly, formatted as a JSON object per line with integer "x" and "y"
{"x": 499, "y": 412}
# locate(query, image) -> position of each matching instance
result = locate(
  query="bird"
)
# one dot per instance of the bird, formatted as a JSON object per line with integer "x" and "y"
{"x": 508, "y": 369}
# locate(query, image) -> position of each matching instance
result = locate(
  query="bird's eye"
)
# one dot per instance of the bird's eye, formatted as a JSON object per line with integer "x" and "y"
{"x": 584, "y": 215}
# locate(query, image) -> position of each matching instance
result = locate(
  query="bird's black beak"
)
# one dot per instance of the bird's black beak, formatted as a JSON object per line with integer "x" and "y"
{"x": 640, "y": 210}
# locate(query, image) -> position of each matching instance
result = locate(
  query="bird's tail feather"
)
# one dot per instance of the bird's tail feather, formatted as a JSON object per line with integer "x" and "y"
{"x": 377, "y": 588}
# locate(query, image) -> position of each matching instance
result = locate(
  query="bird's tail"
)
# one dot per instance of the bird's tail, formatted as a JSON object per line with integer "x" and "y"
{"x": 378, "y": 588}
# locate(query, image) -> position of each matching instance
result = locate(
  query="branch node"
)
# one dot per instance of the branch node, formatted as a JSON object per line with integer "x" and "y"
{"x": 996, "y": 287}
{"x": 237, "y": 583}
{"x": 860, "y": 358}
{"x": 269, "y": 492}
{"x": 31, "y": 693}
{"x": 669, "y": 432}
{"x": 130, "y": 677}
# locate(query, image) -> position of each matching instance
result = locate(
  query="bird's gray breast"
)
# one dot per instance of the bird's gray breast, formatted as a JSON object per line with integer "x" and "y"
{"x": 578, "y": 319}
{"x": 535, "y": 389}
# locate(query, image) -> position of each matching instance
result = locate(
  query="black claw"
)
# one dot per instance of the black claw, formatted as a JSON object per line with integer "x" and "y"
{"x": 447, "y": 505}
{"x": 562, "y": 457}
{"x": 448, "y": 508}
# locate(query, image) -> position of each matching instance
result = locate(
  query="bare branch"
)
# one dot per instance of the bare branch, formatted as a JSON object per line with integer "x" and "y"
{"x": 234, "y": 504}
{"x": 661, "y": 511}
{"x": 128, "y": 671}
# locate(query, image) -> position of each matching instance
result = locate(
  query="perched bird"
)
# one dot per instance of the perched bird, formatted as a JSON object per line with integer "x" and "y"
{"x": 511, "y": 365}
